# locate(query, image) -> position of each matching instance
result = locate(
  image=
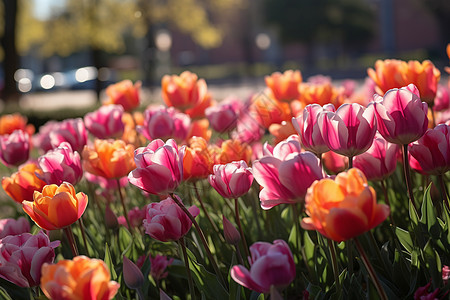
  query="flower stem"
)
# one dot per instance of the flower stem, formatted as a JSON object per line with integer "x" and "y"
{"x": 188, "y": 270}
{"x": 335, "y": 266}
{"x": 370, "y": 270}
{"x": 238, "y": 222}
{"x": 202, "y": 238}
{"x": 386, "y": 199}
{"x": 125, "y": 212}
{"x": 350, "y": 162}
{"x": 83, "y": 234}
{"x": 204, "y": 208}
{"x": 71, "y": 239}
{"x": 408, "y": 176}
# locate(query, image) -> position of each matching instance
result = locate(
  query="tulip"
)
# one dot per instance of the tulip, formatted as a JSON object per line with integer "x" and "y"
{"x": 248, "y": 130}
{"x": 388, "y": 74}
{"x": 430, "y": 154}
{"x": 184, "y": 91}
{"x": 426, "y": 77}
{"x": 12, "y": 122}
{"x": 343, "y": 208}
{"x": 111, "y": 220}
{"x": 200, "y": 128}
{"x": 132, "y": 275}
{"x": 124, "y": 93}
{"x": 164, "y": 123}
{"x": 307, "y": 127}
{"x": 334, "y": 162}
{"x": 106, "y": 184}
{"x": 106, "y": 122}
{"x": 445, "y": 271}
{"x": 159, "y": 167}
{"x": 136, "y": 215}
{"x": 158, "y": 266}
{"x": 284, "y": 86}
{"x": 21, "y": 257}
{"x": 401, "y": 116}
{"x": 80, "y": 278}
{"x": 233, "y": 150}
{"x": 198, "y": 160}
{"x": 424, "y": 293}
{"x": 232, "y": 180}
{"x": 22, "y": 184}
{"x": 321, "y": 93}
{"x": 223, "y": 117}
{"x": 72, "y": 131}
{"x": 130, "y": 135}
{"x": 198, "y": 111}
{"x": 379, "y": 161}
{"x": 109, "y": 159}
{"x": 56, "y": 207}
{"x": 270, "y": 265}
{"x": 61, "y": 164}
{"x": 166, "y": 221}
{"x": 281, "y": 131}
{"x": 14, "y": 227}
{"x": 266, "y": 110}
{"x": 231, "y": 234}
{"x": 350, "y": 130}
{"x": 14, "y": 148}
{"x": 442, "y": 100}
{"x": 285, "y": 174}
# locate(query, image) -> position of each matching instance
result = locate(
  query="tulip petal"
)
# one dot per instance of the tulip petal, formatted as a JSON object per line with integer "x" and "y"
{"x": 344, "y": 224}
{"x": 242, "y": 276}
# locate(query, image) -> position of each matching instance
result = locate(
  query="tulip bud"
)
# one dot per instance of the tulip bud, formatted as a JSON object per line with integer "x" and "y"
{"x": 110, "y": 218}
{"x": 232, "y": 235}
{"x": 132, "y": 275}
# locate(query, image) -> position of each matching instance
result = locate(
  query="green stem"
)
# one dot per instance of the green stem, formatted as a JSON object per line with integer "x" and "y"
{"x": 335, "y": 265}
{"x": 71, "y": 239}
{"x": 386, "y": 199}
{"x": 238, "y": 222}
{"x": 408, "y": 176}
{"x": 350, "y": 162}
{"x": 444, "y": 192}
{"x": 204, "y": 208}
{"x": 122, "y": 200}
{"x": 202, "y": 238}
{"x": 370, "y": 270}
{"x": 83, "y": 234}
{"x": 188, "y": 270}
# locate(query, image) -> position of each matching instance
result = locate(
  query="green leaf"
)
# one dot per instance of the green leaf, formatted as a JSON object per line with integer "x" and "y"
{"x": 413, "y": 214}
{"x": 433, "y": 263}
{"x": 109, "y": 263}
{"x": 405, "y": 238}
{"x": 4, "y": 294}
{"x": 125, "y": 240}
{"x": 235, "y": 288}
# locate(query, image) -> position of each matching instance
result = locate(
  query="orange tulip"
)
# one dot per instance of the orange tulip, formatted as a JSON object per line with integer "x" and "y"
{"x": 198, "y": 111}
{"x": 198, "y": 161}
{"x": 184, "y": 91}
{"x": 388, "y": 74}
{"x": 82, "y": 278}
{"x": 109, "y": 159}
{"x": 124, "y": 93}
{"x": 9, "y": 123}
{"x": 22, "y": 184}
{"x": 130, "y": 135}
{"x": 284, "y": 86}
{"x": 266, "y": 110}
{"x": 320, "y": 93}
{"x": 343, "y": 208}
{"x": 282, "y": 131}
{"x": 425, "y": 77}
{"x": 200, "y": 128}
{"x": 56, "y": 207}
{"x": 233, "y": 150}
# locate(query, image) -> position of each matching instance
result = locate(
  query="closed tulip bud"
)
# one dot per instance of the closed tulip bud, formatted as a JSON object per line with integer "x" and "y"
{"x": 270, "y": 265}
{"x": 401, "y": 115}
{"x": 56, "y": 207}
{"x": 13, "y": 226}
{"x": 166, "y": 221}
{"x": 22, "y": 184}
{"x": 124, "y": 93}
{"x": 61, "y": 164}
{"x": 111, "y": 220}
{"x": 184, "y": 91}
{"x": 14, "y": 148}
{"x": 81, "y": 278}
{"x": 22, "y": 256}
{"x": 132, "y": 275}
{"x": 159, "y": 167}
{"x": 232, "y": 180}
{"x": 106, "y": 122}
{"x": 343, "y": 208}
{"x": 230, "y": 232}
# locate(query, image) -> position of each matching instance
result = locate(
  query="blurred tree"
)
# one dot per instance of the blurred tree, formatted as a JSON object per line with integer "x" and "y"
{"x": 441, "y": 10}
{"x": 345, "y": 22}
{"x": 10, "y": 55}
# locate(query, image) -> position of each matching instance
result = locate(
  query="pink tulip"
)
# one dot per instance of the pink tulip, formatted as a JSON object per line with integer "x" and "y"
{"x": 165, "y": 122}
{"x": 21, "y": 257}
{"x": 248, "y": 130}
{"x": 106, "y": 184}
{"x": 223, "y": 117}
{"x": 230, "y": 233}
{"x": 14, "y": 227}
{"x": 60, "y": 164}
{"x": 401, "y": 115}
{"x": 14, "y": 148}
{"x": 231, "y": 180}
{"x": 307, "y": 127}
{"x": 159, "y": 264}
{"x": 431, "y": 153}
{"x": 442, "y": 100}
{"x": 270, "y": 264}
{"x": 105, "y": 122}
{"x": 136, "y": 215}
{"x": 286, "y": 174}
{"x": 379, "y": 161}
{"x": 334, "y": 163}
{"x": 159, "y": 167}
{"x": 53, "y": 134}
{"x": 166, "y": 221}
{"x": 350, "y": 130}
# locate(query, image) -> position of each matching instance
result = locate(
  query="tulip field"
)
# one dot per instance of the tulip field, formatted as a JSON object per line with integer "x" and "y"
{"x": 308, "y": 189}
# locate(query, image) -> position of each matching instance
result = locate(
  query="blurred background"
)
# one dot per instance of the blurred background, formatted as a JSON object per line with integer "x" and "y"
{"x": 64, "y": 48}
